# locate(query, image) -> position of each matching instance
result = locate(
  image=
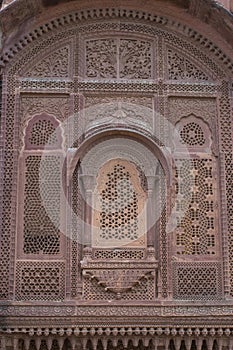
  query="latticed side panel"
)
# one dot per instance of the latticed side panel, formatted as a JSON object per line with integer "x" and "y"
{"x": 229, "y": 177}
{"x": 195, "y": 207}
{"x": 42, "y": 207}
{"x": 8, "y": 159}
{"x": 8, "y": 191}
{"x": 163, "y": 235}
{"x": 143, "y": 291}
{"x": 40, "y": 280}
{"x": 197, "y": 280}
{"x": 226, "y": 145}
{"x": 77, "y": 232}
{"x": 118, "y": 58}
{"x": 182, "y": 68}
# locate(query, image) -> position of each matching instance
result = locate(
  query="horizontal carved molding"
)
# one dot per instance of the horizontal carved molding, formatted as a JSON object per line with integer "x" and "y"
{"x": 151, "y": 310}
{"x": 123, "y": 331}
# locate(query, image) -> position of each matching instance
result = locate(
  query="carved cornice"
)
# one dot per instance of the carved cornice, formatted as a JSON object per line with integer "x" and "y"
{"x": 107, "y": 13}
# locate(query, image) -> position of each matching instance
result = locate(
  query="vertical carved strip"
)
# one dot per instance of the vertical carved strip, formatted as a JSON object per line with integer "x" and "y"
{"x": 226, "y": 182}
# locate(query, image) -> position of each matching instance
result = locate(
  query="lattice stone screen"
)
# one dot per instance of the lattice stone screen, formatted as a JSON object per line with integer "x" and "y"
{"x": 196, "y": 226}
{"x": 41, "y": 228}
{"x": 40, "y": 280}
{"x": 120, "y": 202}
{"x": 197, "y": 281}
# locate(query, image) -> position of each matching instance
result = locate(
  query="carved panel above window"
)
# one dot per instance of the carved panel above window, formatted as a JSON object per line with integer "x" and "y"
{"x": 135, "y": 59}
{"x": 54, "y": 65}
{"x": 182, "y": 68}
{"x": 101, "y": 58}
{"x": 118, "y": 58}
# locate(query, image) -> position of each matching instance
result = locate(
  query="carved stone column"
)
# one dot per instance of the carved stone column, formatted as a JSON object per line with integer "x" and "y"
{"x": 88, "y": 184}
{"x": 151, "y": 180}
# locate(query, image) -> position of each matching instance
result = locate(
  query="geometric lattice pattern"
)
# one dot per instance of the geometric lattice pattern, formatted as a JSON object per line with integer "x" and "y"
{"x": 229, "y": 167}
{"x": 120, "y": 199}
{"x": 42, "y": 191}
{"x": 40, "y": 280}
{"x": 43, "y": 133}
{"x": 195, "y": 207}
{"x": 132, "y": 254}
{"x": 197, "y": 280}
{"x": 192, "y": 134}
{"x": 117, "y": 219}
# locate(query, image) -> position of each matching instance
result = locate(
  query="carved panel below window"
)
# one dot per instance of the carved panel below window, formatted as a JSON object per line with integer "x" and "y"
{"x": 197, "y": 280}
{"x": 40, "y": 280}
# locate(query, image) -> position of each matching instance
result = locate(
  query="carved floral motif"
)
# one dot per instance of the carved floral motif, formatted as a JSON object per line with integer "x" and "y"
{"x": 135, "y": 59}
{"x": 184, "y": 106}
{"x": 181, "y": 68}
{"x": 101, "y": 57}
{"x": 132, "y": 110}
{"x": 118, "y": 58}
{"x": 55, "y": 65}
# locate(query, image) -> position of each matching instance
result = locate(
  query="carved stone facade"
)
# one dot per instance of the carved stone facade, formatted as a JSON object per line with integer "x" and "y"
{"x": 116, "y": 177}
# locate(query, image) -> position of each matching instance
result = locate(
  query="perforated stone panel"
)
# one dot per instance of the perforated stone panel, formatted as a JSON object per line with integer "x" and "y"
{"x": 193, "y": 72}
{"x": 192, "y": 134}
{"x": 197, "y": 280}
{"x": 43, "y": 132}
{"x": 126, "y": 254}
{"x": 42, "y": 191}
{"x": 181, "y": 68}
{"x": 120, "y": 199}
{"x": 40, "y": 280}
{"x": 195, "y": 207}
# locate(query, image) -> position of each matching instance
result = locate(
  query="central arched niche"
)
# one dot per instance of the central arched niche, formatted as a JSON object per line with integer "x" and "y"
{"x": 121, "y": 182}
